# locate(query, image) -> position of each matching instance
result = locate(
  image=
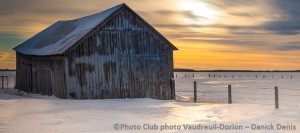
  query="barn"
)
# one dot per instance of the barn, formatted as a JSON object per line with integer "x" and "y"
{"x": 111, "y": 54}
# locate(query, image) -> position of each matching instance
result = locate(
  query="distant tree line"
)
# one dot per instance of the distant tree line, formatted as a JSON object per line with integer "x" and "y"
{"x": 192, "y": 70}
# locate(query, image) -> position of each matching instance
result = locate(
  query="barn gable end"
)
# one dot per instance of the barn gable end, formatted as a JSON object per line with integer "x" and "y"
{"x": 126, "y": 56}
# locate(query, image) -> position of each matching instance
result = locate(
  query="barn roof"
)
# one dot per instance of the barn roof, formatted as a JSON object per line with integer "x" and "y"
{"x": 62, "y": 35}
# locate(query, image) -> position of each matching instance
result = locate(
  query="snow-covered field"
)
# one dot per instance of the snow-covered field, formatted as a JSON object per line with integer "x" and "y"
{"x": 253, "y": 104}
{"x": 247, "y": 87}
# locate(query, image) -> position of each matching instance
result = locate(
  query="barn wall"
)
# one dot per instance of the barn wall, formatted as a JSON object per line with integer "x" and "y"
{"x": 23, "y": 73}
{"x": 124, "y": 59}
{"x": 41, "y": 75}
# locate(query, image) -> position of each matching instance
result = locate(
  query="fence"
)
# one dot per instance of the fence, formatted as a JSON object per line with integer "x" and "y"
{"x": 7, "y": 81}
{"x": 237, "y": 76}
{"x": 243, "y": 89}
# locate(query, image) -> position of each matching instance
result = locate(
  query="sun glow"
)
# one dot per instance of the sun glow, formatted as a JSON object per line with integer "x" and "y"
{"x": 200, "y": 13}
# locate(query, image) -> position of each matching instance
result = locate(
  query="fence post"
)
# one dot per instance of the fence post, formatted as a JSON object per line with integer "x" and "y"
{"x": 195, "y": 91}
{"x": 276, "y": 98}
{"x": 229, "y": 95}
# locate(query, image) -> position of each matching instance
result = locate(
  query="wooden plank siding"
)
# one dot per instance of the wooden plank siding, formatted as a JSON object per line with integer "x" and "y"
{"x": 41, "y": 75}
{"x": 120, "y": 59}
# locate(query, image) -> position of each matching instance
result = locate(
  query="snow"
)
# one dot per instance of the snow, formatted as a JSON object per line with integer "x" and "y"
{"x": 246, "y": 88}
{"x": 30, "y": 113}
{"x": 60, "y": 36}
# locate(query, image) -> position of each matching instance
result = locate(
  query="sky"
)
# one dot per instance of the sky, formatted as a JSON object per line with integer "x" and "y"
{"x": 210, "y": 34}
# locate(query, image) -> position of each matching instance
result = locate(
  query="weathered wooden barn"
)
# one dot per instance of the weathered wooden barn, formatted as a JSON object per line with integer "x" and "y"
{"x": 111, "y": 54}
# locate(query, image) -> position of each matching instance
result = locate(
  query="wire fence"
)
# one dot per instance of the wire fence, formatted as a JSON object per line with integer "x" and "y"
{"x": 232, "y": 75}
{"x": 217, "y": 91}
{"x": 7, "y": 81}
{"x": 214, "y": 89}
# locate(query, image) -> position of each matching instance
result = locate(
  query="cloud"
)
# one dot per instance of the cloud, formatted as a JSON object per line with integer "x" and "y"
{"x": 227, "y": 4}
{"x": 281, "y": 16}
{"x": 186, "y": 14}
{"x": 6, "y": 55}
{"x": 142, "y": 13}
{"x": 288, "y": 23}
{"x": 7, "y": 42}
{"x": 166, "y": 12}
{"x": 178, "y": 25}
{"x": 291, "y": 46}
{"x": 287, "y": 27}
{"x": 232, "y": 42}
{"x": 223, "y": 39}
{"x": 198, "y": 35}
{"x": 191, "y": 15}
{"x": 230, "y": 28}
{"x": 255, "y": 15}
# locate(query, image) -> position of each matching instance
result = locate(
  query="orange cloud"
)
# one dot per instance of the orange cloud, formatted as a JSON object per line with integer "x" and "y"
{"x": 7, "y": 60}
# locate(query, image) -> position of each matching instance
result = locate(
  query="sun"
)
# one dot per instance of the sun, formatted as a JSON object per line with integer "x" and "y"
{"x": 202, "y": 13}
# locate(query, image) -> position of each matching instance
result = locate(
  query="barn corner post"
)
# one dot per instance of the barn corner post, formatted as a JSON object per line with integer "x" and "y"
{"x": 173, "y": 93}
